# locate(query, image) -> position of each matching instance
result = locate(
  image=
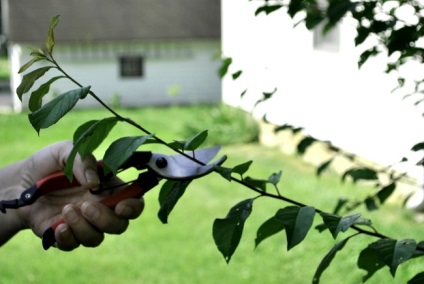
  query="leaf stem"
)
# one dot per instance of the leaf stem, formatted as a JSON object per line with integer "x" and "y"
{"x": 297, "y": 203}
{"x": 239, "y": 181}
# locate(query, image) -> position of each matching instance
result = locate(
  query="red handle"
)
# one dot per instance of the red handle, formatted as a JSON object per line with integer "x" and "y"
{"x": 58, "y": 181}
{"x": 131, "y": 191}
{"x": 54, "y": 182}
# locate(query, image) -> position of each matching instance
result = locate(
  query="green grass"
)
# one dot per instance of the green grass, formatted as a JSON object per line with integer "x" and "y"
{"x": 183, "y": 251}
{"x": 4, "y": 68}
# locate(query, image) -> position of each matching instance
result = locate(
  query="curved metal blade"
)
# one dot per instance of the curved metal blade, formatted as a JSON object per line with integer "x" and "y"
{"x": 202, "y": 155}
{"x": 179, "y": 167}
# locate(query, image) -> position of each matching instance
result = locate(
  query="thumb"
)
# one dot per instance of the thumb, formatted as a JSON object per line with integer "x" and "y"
{"x": 85, "y": 171}
{"x": 53, "y": 159}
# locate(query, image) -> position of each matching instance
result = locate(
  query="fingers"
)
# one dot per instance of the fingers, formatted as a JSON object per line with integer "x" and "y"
{"x": 129, "y": 208}
{"x": 85, "y": 171}
{"x": 103, "y": 218}
{"x": 86, "y": 226}
{"x": 76, "y": 230}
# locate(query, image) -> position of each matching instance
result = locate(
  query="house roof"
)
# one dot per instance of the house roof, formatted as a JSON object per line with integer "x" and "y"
{"x": 112, "y": 20}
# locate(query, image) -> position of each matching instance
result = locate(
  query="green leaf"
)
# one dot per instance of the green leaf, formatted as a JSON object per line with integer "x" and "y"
{"x": 366, "y": 55}
{"x": 283, "y": 127}
{"x": 28, "y": 64}
{"x": 369, "y": 261}
{"x": 363, "y": 221}
{"x": 120, "y": 151}
{"x": 259, "y": 183}
{"x": 275, "y": 178}
{"x": 417, "y": 279}
{"x": 237, "y": 74}
{"x": 38, "y": 53}
{"x": 196, "y": 141}
{"x": 304, "y": 144}
{"x": 360, "y": 174}
{"x": 385, "y": 192}
{"x": 337, "y": 9}
{"x": 243, "y": 93}
{"x": 267, "y": 9}
{"x": 177, "y": 145}
{"x": 297, "y": 222}
{"x": 169, "y": 195}
{"x": 242, "y": 168}
{"x": 324, "y": 166}
{"x": 326, "y": 261}
{"x": 29, "y": 79}
{"x": 227, "y": 232}
{"x": 94, "y": 133}
{"x": 54, "y": 110}
{"x": 401, "y": 39}
{"x": 362, "y": 35}
{"x": 371, "y": 204}
{"x": 226, "y": 62}
{"x": 341, "y": 202}
{"x": 266, "y": 96}
{"x": 394, "y": 252}
{"x": 269, "y": 228}
{"x": 418, "y": 147}
{"x": 294, "y": 7}
{"x": 337, "y": 224}
{"x": 87, "y": 138}
{"x": 50, "y": 35}
{"x": 313, "y": 18}
{"x": 224, "y": 172}
{"x": 35, "y": 100}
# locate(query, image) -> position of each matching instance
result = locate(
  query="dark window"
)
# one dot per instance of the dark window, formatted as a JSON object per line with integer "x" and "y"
{"x": 131, "y": 66}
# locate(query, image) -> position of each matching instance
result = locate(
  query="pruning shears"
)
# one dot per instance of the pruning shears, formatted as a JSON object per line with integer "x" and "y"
{"x": 178, "y": 167}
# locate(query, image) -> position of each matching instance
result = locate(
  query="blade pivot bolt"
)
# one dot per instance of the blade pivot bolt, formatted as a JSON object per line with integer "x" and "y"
{"x": 161, "y": 163}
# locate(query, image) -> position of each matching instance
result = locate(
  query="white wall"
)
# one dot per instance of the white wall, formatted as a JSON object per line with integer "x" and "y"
{"x": 174, "y": 72}
{"x": 321, "y": 91}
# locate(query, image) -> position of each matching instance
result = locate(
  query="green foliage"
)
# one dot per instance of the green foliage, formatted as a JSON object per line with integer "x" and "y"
{"x": 169, "y": 195}
{"x": 296, "y": 219}
{"x": 386, "y": 251}
{"x": 226, "y": 62}
{"x": 326, "y": 261}
{"x": 191, "y": 144}
{"x": 36, "y": 97}
{"x": 269, "y": 228}
{"x": 29, "y": 79}
{"x": 120, "y": 151}
{"x": 226, "y": 125}
{"x": 50, "y": 35}
{"x": 54, "y": 110}
{"x": 392, "y": 33}
{"x": 337, "y": 224}
{"x": 227, "y": 232}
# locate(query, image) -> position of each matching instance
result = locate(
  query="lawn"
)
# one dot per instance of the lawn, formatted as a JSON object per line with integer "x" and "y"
{"x": 183, "y": 251}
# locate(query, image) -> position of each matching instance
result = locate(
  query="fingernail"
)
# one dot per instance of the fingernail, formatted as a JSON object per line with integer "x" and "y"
{"x": 92, "y": 177}
{"x": 71, "y": 215}
{"x": 90, "y": 211}
{"x": 64, "y": 230}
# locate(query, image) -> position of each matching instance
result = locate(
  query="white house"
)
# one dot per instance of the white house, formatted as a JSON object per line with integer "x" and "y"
{"x": 138, "y": 51}
{"x": 318, "y": 85}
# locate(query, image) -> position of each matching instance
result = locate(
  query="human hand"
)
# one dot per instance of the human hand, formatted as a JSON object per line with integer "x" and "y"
{"x": 86, "y": 220}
